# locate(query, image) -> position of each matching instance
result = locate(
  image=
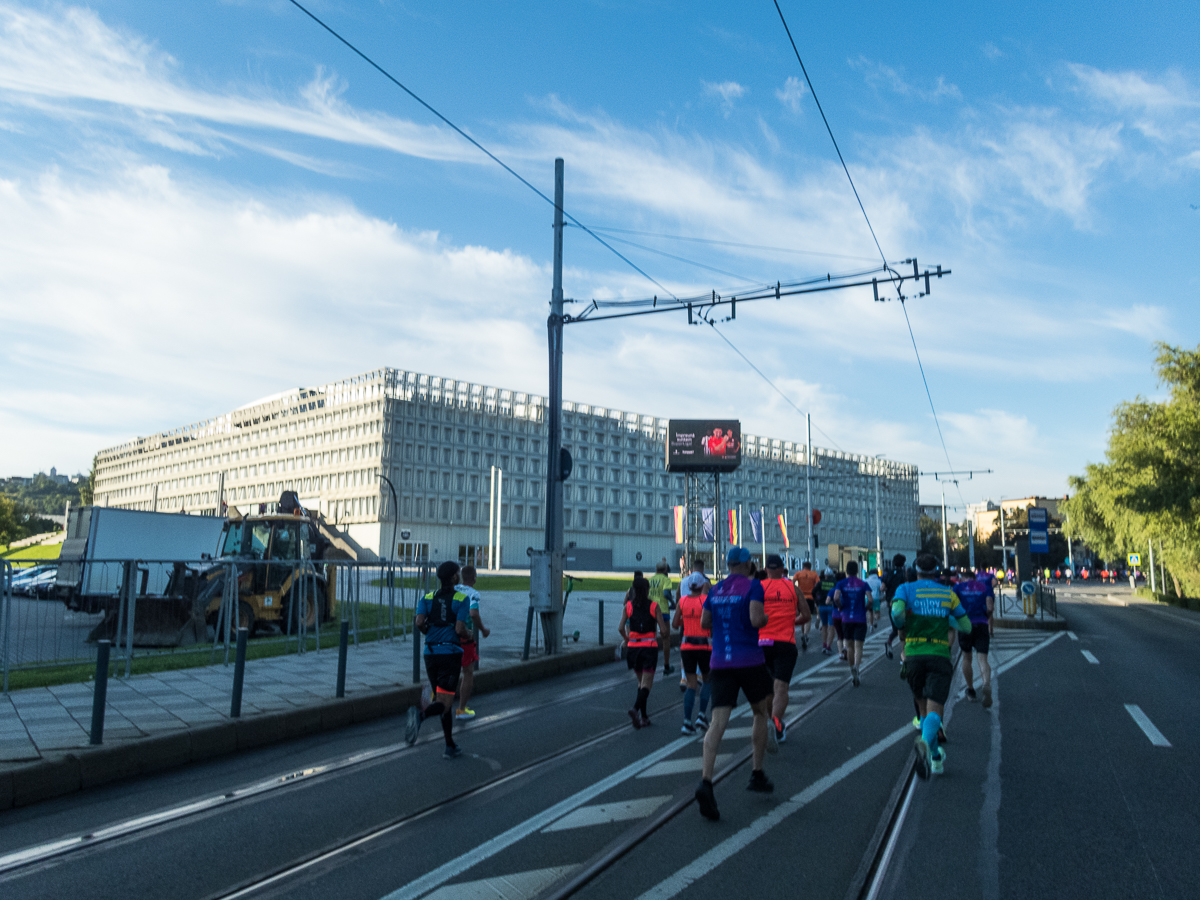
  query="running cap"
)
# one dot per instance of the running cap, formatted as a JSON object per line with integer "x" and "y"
{"x": 736, "y": 556}
{"x": 774, "y": 561}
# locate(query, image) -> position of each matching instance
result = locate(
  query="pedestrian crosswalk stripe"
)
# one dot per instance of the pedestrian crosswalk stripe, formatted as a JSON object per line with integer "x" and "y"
{"x": 1090, "y": 657}
{"x": 604, "y": 813}
{"x": 681, "y": 766}
{"x": 517, "y": 886}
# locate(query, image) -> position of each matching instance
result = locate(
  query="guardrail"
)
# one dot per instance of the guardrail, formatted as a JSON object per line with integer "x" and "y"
{"x": 48, "y": 621}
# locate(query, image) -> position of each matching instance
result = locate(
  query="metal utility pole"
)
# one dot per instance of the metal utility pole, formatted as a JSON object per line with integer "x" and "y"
{"x": 971, "y": 542}
{"x": 808, "y": 551}
{"x": 1003, "y": 545}
{"x": 942, "y": 478}
{"x": 1153, "y": 583}
{"x": 552, "y": 618}
{"x": 945, "y": 542}
{"x": 492, "y": 521}
{"x": 878, "y": 534}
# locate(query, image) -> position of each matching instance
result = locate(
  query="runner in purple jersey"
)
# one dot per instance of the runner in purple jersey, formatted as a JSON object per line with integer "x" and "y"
{"x": 734, "y": 612}
{"x": 979, "y": 600}
{"x": 850, "y": 597}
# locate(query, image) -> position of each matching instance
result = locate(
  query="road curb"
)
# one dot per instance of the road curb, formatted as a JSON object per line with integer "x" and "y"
{"x": 24, "y": 785}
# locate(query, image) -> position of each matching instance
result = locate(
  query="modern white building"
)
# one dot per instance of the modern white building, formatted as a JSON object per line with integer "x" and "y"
{"x": 436, "y": 439}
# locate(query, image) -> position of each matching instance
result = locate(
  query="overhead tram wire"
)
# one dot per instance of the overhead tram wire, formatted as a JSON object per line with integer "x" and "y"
{"x": 684, "y": 259}
{"x": 870, "y": 228}
{"x": 678, "y": 237}
{"x": 388, "y": 75}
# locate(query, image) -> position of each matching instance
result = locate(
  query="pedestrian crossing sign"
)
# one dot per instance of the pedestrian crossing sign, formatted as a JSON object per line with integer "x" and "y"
{"x": 1135, "y": 559}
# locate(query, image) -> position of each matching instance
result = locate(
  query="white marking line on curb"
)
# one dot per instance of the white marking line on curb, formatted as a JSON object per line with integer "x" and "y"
{"x": 702, "y": 865}
{"x": 604, "y": 813}
{"x": 1144, "y": 723}
{"x": 1090, "y": 657}
{"x": 504, "y": 887}
{"x": 1072, "y": 635}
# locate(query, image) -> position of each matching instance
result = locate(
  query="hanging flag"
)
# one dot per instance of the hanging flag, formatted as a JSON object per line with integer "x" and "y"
{"x": 734, "y": 537}
{"x": 708, "y": 524}
{"x": 783, "y": 531}
{"x": 679, "y": 520}
{"x": 756, "y": 529}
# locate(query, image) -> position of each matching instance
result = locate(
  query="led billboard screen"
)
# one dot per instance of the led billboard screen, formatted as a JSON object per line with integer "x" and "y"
{"x": 704, "y": 445}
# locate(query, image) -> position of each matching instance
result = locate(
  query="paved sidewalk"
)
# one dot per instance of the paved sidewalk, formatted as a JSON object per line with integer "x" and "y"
{"x": 46, "y": 723}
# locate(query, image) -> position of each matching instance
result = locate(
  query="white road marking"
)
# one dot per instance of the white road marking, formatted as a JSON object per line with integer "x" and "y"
{"x": 680, "y": 766}
{"x": 517, "y": 886}
{"x": 605, "y": 813}
{"x": 705, "y": 863}
{"x": 1072, "y": 635}
{"x": 1156, "y": 737}
{"x": 742, "y": 731}
{"x": 1090, "y": 657}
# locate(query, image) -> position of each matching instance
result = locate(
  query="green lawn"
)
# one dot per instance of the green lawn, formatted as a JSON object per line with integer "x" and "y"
{"x": 37, "y": 551}
{"x": 372, "y": 624}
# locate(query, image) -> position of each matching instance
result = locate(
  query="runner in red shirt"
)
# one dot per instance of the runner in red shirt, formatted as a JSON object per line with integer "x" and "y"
{"x": 777, "y": 638}
{"x": 695, "y": 650}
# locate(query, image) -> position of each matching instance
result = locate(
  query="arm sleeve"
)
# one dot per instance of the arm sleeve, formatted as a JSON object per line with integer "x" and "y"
{"x": 898, "y": 609}
{"x": 958, "y": 618}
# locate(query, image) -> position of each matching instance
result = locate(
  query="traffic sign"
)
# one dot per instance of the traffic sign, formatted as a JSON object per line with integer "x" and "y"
{"x": 1135, "y": 559}
{"x": 1039, "y": 529}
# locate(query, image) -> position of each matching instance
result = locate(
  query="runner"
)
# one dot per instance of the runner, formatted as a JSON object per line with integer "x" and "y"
{"x": 695, "y": 650}
{"x": 734, "y": 612}
{"x": 641, "y": 628}
{"x": 825, "y": 608}
{"x": 895, "y": 578}
{"x": 470, "y": 643}
{"x": 979, "y": 600}
{"x": 806, "y": 581}
{"x": 850, "y": 597}
{"x": 784, "y": 611}
{"x": 660, "y": 596}
{"x": 697, "y": 576}
{"x": 926, "y": 610}
{"x": 441, "y": 616}
{"x": 835, "y": 617}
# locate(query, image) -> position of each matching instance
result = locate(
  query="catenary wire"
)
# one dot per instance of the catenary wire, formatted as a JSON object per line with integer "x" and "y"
{"x": 773, "y": 385}
{"x": 871, "y": 228}
{"x": 678, "y": 237}
{"x": 388, "y": 75}
{"x": 684, "y": 259}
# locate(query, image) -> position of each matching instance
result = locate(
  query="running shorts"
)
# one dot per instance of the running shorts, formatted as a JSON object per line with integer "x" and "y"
{"x": 929, "y": 677}
{"x": 978, "y": 639}
{"x": 825, "y": 612}
{"x": 812, "y": 607}
{"x": 443, "y": 670}
{"x": 855, "y": 631}
{"x": 753, "y": 681}
{"x": 839, "y": 629}
{"x": 781, "y": 659}
{"x": 696, "y": 658}
{"x": 642, "y": 659}
{"x": 470, "y": 654}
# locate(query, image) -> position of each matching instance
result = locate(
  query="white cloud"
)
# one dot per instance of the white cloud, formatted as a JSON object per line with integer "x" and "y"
{"x": 791, "y": 93}
{"x": 877, "y": 74}
{"x": 726, "y": 91}
{"x": 1150, "y": 323}
{"x": 991, "y": 51}
{"x": 62, "y": 63}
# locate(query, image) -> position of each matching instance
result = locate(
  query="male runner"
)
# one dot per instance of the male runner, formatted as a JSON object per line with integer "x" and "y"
{"x": 806, "y": 581}
{"x": 979, "y": 600}
{"x": 695, "y": 650}
{"x": 442, "y": 617}
{"x": 835, "y": 617}
{"x": 875, "y": 583}
{"x": 784, "y": 611}
{"x": 660, "y": 598}
{"x": 850, "y": 598}
{"x": 926, "y": 610}
{"x": 825, "y": 608}
{"x": 470, "y": 643}
{"x": 734, "y": 612}
{"x": 895, "y": 578}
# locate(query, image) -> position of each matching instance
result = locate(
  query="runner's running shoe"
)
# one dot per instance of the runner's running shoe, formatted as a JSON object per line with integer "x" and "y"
{"x": 464, "y": 714}
{"x": 779, "y": 728}
{"x": 702, "y": 722}
{"x": 636, "y": 718}
{"x": 645, "y": 723}
{"x": 772, "y": 738}
{"x": 412, "y": 726}
{"x": 452, "y": 752}
{"x": 760, "y": 783}
{"x": 971, "y": 695}
{"x": 921, "y": 751}
{"x": 937, "y": 764}
{"x": 707, "y": 802}
{"x": 688, "y": 728}
{"x": 987, "y": 696}
{"x": 854, "y": 675}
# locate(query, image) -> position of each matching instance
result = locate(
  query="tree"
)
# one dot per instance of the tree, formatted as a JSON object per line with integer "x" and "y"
{"x": 87, "y": 488}
{"x": 10, "y": 526}
{"x": 1148, "y": 488}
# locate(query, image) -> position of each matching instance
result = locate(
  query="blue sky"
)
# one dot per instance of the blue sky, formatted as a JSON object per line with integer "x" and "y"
{"x": 205, "y": 203}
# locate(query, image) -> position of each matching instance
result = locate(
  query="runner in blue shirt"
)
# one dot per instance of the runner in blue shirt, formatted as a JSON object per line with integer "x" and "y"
{"x": 850, "y": 596}
{"x": 979, "y": 600}
{"x": 442, "y": 616}
{"x": 734, "y": 612}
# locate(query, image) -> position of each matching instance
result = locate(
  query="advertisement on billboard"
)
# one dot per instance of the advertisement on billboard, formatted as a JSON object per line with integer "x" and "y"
{"x": 704, "y": 445}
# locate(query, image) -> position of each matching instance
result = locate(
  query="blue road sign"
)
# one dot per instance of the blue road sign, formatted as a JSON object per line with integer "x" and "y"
{"x": 1039, "y": 530}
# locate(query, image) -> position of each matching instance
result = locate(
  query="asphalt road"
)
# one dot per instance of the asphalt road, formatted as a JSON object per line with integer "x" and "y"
{"x": 1056, "y": 791}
